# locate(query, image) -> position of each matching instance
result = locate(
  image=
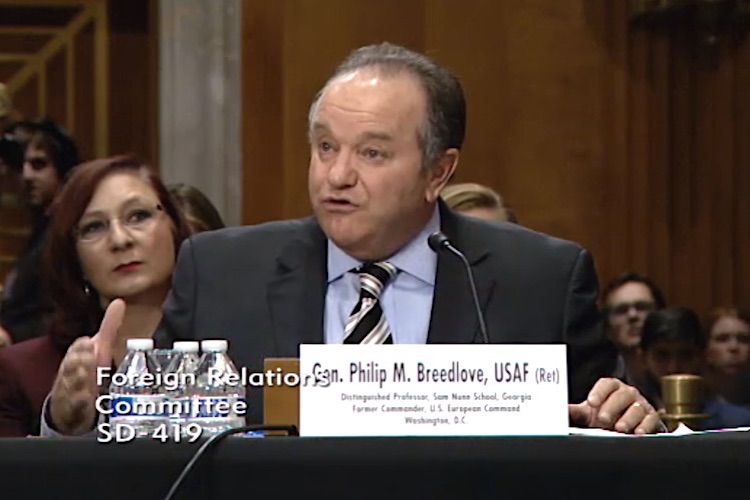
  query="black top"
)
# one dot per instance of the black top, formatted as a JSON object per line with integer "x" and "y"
{"x": 24, "y": 306}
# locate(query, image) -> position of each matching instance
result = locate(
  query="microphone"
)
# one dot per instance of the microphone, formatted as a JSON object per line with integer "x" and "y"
{"x": 439, "y": 242}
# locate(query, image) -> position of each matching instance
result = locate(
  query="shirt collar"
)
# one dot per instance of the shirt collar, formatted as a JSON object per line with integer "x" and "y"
{"x": 415, "y": 258}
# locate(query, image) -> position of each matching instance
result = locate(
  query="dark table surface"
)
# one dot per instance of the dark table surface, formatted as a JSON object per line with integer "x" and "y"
{"x": 701, "y": 466}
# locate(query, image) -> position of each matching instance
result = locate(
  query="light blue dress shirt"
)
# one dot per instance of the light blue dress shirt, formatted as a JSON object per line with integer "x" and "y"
{"x": 406, "y": 300}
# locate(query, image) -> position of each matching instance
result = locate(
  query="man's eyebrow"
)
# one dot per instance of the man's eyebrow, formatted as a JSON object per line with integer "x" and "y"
{"x": 378, "y": 136}
{"x": 320, "y": 127}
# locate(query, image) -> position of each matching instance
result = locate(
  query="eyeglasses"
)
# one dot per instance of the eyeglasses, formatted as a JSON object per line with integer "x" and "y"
{"x": 624, "y": 307}
{"x": 136, "y": 219}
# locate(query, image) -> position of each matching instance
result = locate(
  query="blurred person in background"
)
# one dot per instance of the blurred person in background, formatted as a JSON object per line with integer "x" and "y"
{"x": 200, "y": 213}
{"x": 673, "y": 343}
{"x": 13, "y": 142}
{"x": 12, "y": 147}
{"x": 5, "y": 108}
{"x": 476, "y": 200}
{"x": 48, "y": 157}
{"x": 626, "y": 302}
{"x": 114, "y": 234}
{"x": 728, "y": 354}
{"x": 6, "y": 153}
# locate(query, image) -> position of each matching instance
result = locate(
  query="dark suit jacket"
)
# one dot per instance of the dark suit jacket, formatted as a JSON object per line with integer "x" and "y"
{"x": 263, "y": 288}
{"x": 24, "y": 305}
{"x": 27, "y": 372}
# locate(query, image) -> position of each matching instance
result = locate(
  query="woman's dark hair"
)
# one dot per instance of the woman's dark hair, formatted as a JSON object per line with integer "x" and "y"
{"x": 74, "y": 312}
{"x": 200, "y": 214}
{"x": 672, "y": 324}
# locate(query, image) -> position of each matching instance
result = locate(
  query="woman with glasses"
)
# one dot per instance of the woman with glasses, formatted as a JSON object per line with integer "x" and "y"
{"x": 114, "y": 233}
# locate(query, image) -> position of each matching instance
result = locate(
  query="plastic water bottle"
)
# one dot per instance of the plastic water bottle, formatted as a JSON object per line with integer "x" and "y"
{"x": 181, "y": 372}
{"x": 137, "y": 402}
{"x": 217, "y": 398}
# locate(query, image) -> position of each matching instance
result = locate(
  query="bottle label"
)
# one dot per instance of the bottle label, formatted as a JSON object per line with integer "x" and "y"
{"x": 137, "y": 406}
{"x": 213, "y": 407}
{"x": 178, "y": 409}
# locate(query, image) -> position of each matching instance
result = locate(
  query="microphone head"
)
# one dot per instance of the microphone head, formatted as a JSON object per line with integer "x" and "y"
{"x": 438, "y": 241}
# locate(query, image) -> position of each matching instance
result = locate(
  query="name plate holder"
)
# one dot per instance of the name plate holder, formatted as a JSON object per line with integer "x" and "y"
{"x": 281, "y": 402}
{"x": 433, "y": 390}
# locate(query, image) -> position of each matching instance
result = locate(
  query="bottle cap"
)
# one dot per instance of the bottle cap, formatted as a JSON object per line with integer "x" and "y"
{"x": 186, "y": 346}
{"x": 140, "y": 344}
{"x": 214, "y": 345}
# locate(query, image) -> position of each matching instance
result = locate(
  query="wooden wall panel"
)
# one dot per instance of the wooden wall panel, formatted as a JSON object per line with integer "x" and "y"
{"x": 313, "y": 45}
{"x": 132, "y": 75}
{"x": 684, "y": 162}
{"x": 714, "y": 162}
{"x": 536, "y": 95}
{"x": 289, "y": 49}
{"x": 613, "y": 230}
{"x": 632, "y": 143}
{"x": 741, "y": 177}
{"x": 682, "y": 171}
{"x": 263, "y": 110}
{"x": 133, "y": 116}
{"x": 84, "y": 129}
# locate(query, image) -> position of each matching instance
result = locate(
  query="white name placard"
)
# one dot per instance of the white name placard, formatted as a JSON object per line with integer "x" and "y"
{"x": 433, "y": 390}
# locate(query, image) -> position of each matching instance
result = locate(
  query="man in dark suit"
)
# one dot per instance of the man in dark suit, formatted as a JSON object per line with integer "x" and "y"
{"x": 385, "y": 135}
{"x": 533, "y": 290}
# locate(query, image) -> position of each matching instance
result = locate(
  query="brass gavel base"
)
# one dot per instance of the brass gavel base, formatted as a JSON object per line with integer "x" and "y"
{"x": 691, "y": 420}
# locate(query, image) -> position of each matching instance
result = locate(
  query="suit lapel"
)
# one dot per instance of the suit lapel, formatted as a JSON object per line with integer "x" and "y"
{"x": 454, "y": 320}
{"x": 296, "y": 295}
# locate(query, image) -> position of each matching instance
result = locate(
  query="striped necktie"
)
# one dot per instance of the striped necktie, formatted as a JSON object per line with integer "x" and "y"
{"x": 366, "y": 323}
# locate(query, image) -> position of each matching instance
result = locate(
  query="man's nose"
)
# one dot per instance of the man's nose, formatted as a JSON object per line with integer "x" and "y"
{"x": 28, "y": 171}
{"x": 342, "y": 173}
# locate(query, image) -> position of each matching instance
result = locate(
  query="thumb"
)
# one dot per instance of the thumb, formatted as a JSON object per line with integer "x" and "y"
{"x": 579, "y": 414}
{"x": 105, "y": 337}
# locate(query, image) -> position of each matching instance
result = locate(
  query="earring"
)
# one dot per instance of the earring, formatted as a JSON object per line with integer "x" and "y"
{"x": 86, "y": 288}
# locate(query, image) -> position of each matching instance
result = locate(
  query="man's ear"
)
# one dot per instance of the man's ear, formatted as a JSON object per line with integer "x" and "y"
{"x": 440, "y": 173}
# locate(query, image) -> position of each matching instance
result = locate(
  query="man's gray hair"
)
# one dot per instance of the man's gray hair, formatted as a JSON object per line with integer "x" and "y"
{"x": 446, "y": 107}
